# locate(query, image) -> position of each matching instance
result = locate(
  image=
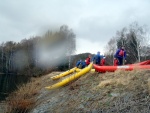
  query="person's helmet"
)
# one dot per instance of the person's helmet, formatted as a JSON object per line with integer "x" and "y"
{"x": 98, "y": 52}
{"x": 89, "y": 55}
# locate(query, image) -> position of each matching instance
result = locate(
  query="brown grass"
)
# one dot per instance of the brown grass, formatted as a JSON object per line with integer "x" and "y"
{"x": 120, "y": 91}
{"x": 122, "y": 78}
{"x": 149, "y": 85}
{"x": 23, "y": 99}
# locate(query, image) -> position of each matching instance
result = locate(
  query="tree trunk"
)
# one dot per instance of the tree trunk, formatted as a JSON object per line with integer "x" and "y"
{"x": 69, "y": 61}
{"x": 138, "y": 49}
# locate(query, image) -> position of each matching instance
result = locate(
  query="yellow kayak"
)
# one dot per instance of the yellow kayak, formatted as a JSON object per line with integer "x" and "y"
{"x": 71, "y": 78}
{"x": 77, "y": 70}
{"x": 64, "y": 74}
{"x": 92, "y": 70}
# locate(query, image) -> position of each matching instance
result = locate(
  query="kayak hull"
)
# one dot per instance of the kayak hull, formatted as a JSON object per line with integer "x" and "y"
{"x": 77, "y": 70}
{"x": 63, "y": 74}
{"x": 71, "y": 78}
{"x": 147, "y": 62}
{"x": 114, "y": 68}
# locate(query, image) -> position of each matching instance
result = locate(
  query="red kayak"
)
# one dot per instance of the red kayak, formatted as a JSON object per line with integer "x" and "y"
{"x": 114, "y": 68}
{"x": 147, "y": 62}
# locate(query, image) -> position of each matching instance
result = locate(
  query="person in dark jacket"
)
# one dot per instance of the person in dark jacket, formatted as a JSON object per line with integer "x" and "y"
{"x": 81, "y": 64}
{"x": 121, "y": 55}
{"x": 97, "y": 59}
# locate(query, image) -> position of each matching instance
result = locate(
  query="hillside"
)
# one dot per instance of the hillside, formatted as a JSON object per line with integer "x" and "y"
{"x": 121, "y": 91}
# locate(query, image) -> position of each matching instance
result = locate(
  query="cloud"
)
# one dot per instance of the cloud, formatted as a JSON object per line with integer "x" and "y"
{"x": 86, "y": 46}
{"x": 94, "y": 22}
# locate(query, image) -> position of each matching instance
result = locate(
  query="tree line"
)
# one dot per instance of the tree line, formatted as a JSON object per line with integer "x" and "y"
{"x": 38, "y": 54}
{"x": 135, "y": 39}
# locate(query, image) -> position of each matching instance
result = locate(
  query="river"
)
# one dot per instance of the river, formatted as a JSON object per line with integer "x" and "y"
{"x": 9, "y": 83}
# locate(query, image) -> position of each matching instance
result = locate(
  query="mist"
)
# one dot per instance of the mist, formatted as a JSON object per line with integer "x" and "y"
{"x": 47, "y": 56}
{"x": 20, "y": 59}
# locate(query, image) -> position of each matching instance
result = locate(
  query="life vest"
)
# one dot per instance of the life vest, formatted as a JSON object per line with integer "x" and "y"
{"x": 121, "y": 53}
{"x": 102, "y": 62}
{"x": 88, "y": 61}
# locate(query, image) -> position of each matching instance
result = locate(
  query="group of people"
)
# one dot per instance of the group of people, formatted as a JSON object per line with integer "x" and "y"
{"x": 119, "y": 59}
{"x": 82, "y": 64}
{"x": 97, "y": 59}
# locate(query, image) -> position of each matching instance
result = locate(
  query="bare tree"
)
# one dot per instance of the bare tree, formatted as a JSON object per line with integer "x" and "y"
{"x": 110, "y": 49}
{"x": 133, "y": 39}
{"x": 70, "y": 41}
{"x": 139, "y": 34}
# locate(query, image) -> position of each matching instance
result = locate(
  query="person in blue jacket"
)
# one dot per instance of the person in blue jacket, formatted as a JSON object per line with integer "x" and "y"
{"x": 120, "y": 55}
{"x": 97, "y": 59}
{"x": 81, "y": 64}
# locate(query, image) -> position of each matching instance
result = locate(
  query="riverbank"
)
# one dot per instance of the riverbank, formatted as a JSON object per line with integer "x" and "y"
{"x": 121, "y": 91}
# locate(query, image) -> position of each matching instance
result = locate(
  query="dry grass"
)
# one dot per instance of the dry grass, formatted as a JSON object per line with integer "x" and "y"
{"x": 120, "y": 91}
{"x": 149, "y": 85}
{"x": 123, "y": 78}
{"x": 23, "y": 99}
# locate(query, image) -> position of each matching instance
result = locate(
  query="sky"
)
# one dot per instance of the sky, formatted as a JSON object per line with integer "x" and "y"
{"x": 94, "y": 22}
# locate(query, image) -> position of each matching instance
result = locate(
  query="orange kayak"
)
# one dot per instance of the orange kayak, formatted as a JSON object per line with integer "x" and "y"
{"x": 114, "y": 68}
{"x": 147, "y": 62}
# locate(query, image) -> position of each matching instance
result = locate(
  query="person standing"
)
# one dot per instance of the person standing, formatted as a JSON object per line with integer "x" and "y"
{"x": 97, "y": 59}
{"x": 121, "y": 56}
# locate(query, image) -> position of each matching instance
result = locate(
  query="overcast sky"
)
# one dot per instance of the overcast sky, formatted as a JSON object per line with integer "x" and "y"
{"x": 93, "y": 21}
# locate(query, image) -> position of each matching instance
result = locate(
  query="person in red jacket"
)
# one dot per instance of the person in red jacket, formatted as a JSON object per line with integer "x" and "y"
{"x": 103, "y": 61}
{"x": 88, "y": 60}
{"x": 116, "y": 62}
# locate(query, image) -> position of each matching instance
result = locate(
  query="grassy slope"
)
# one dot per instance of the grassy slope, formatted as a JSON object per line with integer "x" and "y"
{"x": 121, "y": 91}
